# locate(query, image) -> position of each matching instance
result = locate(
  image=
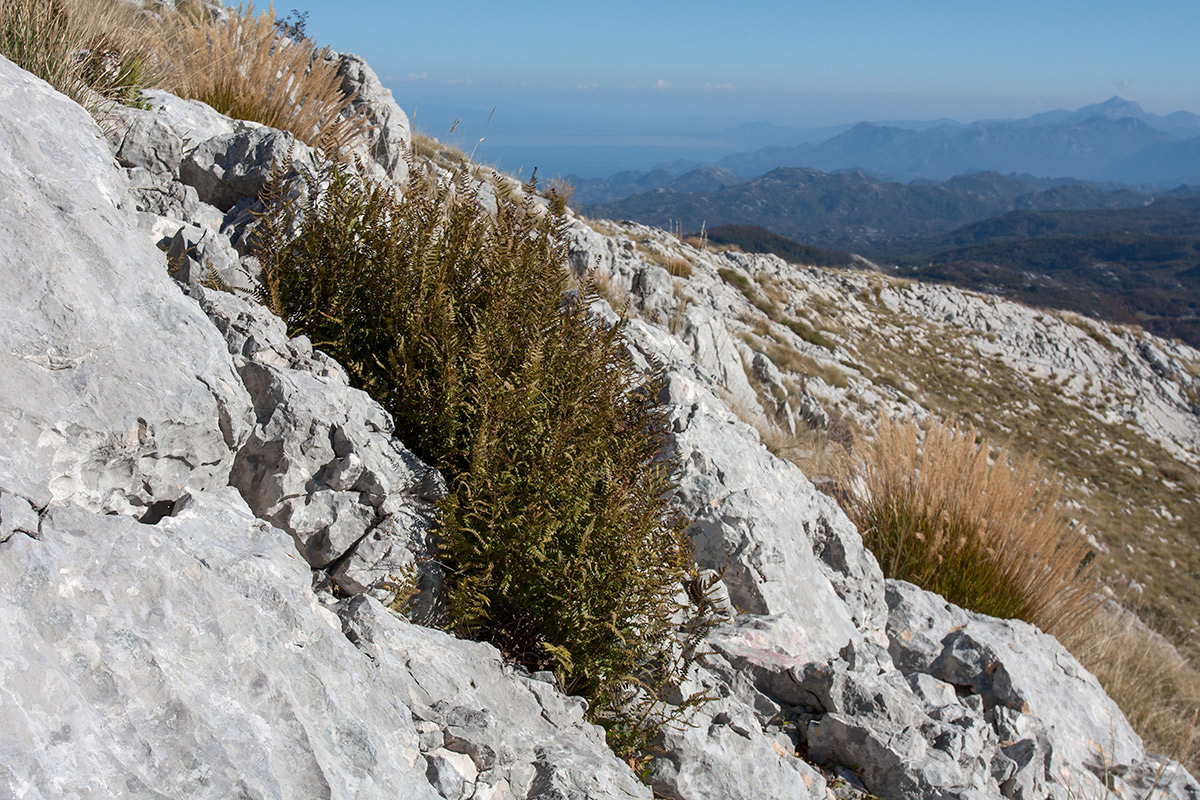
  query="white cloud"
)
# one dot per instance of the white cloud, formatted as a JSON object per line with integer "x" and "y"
{"x": 458, "y": 81}
{"x": 718, "y": 87}
{"x": 1124, "y": 82}
{"x": 661, "y": 85}
{"x": 418, "y": 76}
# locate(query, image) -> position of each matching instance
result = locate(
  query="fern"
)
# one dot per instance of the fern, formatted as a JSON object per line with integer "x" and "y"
{"x": 562, "y": 548}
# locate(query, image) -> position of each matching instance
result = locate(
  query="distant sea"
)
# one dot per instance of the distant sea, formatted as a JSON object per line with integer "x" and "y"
{"x": 587, "y": 156}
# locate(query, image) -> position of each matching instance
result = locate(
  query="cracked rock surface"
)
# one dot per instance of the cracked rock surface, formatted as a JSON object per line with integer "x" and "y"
{"x": 105, "y": 417}
{"x": 202, "y": 523}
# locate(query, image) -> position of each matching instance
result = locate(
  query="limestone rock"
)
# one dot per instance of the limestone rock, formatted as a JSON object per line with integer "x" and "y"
{"x": 115, "y": 383}
{"x": 160, "y": 195}
{"x": 785, "y": 548}
{"x": 196, "y": 254}
{"x": 191, "y": 659}
{"x": 184, "y": 659}
{"x": 321, "y": 461}
{"x": 158, "y": 137}
{"x": 17, "y": 516}
{"x": 236, "y": 166}
{"x": 465, "y": 690}
{"x": 1029, "y": 688}
{"x": 721, "y": 751}
{"x": 390, "y": 135}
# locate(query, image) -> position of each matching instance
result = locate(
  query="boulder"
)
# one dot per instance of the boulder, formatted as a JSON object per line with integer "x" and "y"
{"x": 389, "y": 135}
{"x": 501, "y": 734}
{"x": 117, "y": 392}
{"x": 1031, "y": 691}
{"x": 321, "y": 461}
{"x": 784, "y": 547}
{"x": 197, "y": 255}
{"x": 158, "y": 137}
{"x": 115, "y": 685}
{"x": 721, "y": 750}
{"x": 191, "y": 659}
{"x": 236, "y": 166}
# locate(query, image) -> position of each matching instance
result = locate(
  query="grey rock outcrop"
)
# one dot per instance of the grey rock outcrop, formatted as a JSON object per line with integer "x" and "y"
{"x": 389, "y": 134}
{"x": 464, "y": 690}
{"x": 114, "y": 688}
{"x": 784, "y": 547}
{"x": 236, "y": 166}
{"x": 116, "y": 383}
{"x": 158, "y": 636}
{"x": 321, "y": 461}
{"x": 191, "y": 659}
{"x": 158, "y": 137}
{"x": 806, "y": 668}
{"x": 1033, "y": 693}
{"x": 17, "y": 516}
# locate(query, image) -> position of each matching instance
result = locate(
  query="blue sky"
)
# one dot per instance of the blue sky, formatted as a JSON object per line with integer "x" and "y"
{"x": 646, "y": 74}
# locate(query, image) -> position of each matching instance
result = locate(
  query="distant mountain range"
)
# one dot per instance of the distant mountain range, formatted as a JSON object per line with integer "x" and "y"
{"x": 1127, "y": 265}
{"x": 854, "y": 210}
{"x": 1113, "y": 141}
{"x": 1137, "y": 265}
{"x": 973, "y": 207}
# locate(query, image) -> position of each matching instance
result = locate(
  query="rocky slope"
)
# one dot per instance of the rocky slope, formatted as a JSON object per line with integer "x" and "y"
{"x": 811, "y": 356}
{"x": 202, "y": 526}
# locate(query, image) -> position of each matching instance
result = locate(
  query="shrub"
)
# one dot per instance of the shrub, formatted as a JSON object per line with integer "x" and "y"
{"x": 986, "y": 535}
{"x": 809, "y": 334}
{"x": 244, "y": 68}
{"x": 560, "y": 543}
{"x": 86, "y": 49}
{"x": 736, "y": 279}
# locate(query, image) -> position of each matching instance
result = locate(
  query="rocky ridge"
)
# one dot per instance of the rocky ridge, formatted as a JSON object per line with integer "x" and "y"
{"x": 202, "y": 524}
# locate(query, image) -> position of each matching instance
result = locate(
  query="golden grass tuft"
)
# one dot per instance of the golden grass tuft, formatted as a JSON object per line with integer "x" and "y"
{"x": 243, "y": 68}
{"x": 89, "y": 50}
{"x": 1157, "y": 689}
{"x": 986, "y": 534}
{"x": 97, "y": 51}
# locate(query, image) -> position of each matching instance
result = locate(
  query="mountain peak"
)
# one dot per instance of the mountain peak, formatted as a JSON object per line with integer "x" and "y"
{"x": 1114, "y": 107}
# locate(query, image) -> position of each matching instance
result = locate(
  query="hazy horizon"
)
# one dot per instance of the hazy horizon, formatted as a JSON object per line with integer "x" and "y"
{"x": 587, "y": 89}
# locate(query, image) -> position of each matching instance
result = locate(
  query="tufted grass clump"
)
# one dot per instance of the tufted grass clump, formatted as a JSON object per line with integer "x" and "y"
{"x": 561, "y": 547}
{"x": 87, "y": 49}
{"x": 984, "y": 533}
{"x": 244, "y": 67}
{"x": 100, "y": 51}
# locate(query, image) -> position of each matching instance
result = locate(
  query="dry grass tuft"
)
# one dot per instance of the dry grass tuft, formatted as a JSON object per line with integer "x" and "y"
{"x": 1156, "y": 688}
{"x": 89, "y": 50}
{"x": 243, "y": 68}
{"x": 617, "y": 297}
{"x": 96, "y": 51}
{"x": 678, "y": 267}
{"x": 817, "y": 453}
{"x": 986, "y": 534}
{"x": 562, "y": 189}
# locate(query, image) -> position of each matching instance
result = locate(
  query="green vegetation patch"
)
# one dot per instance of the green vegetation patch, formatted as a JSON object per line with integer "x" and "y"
{"x": 561, "y": 546}
{"x": 736, "y": 279}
